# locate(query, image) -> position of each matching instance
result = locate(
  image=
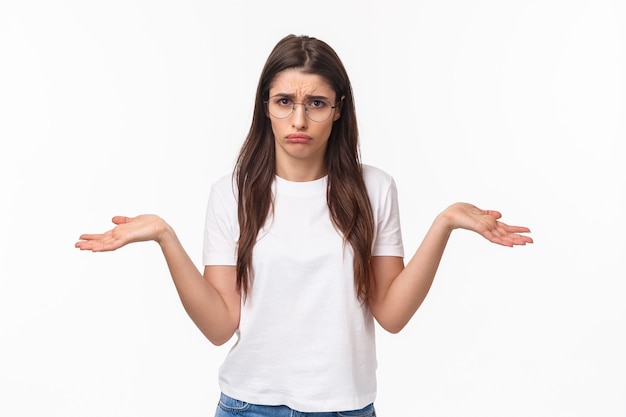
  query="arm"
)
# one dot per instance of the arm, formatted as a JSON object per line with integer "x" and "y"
{"x": 399, "y": 290}
{"x": 211, "y": 300}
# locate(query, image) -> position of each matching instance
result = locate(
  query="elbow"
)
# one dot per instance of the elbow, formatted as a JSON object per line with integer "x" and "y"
{"x": 393, "y": 329}
{"x": 218, "y": 340}
{"x": 392, "y": 318}
{"x": 218, "y": 337}
{"x": 393, "y": 326}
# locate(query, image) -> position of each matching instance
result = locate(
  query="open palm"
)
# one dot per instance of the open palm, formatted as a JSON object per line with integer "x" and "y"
{"x": 487, "y": 224}
{"x": 128, "y": 230}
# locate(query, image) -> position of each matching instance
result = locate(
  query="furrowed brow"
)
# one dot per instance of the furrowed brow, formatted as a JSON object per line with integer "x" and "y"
{"x": 312, "y": 97}
{"x": 307, "y": 97}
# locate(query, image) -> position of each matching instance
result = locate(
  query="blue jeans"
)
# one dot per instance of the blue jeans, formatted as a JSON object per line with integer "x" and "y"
{"x": 230, "y": 407}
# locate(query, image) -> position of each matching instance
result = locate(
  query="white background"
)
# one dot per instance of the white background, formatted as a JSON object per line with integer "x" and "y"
{"x": 128, "y": 107}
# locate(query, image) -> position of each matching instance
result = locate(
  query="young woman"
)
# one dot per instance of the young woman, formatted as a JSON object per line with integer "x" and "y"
{"x": 303, "y": 249}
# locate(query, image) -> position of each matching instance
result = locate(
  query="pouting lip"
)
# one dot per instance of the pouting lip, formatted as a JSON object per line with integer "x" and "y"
{"x": 298, "y": 137}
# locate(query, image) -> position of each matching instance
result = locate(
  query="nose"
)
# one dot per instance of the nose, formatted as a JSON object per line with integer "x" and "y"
{"x": 299, "y": 117}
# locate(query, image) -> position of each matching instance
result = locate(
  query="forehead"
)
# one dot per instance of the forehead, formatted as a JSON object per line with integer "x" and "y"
{"x": 295, "y": 82}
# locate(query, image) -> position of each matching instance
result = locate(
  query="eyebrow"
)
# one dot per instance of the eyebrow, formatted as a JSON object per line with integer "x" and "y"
{"x": 307, "y": 97}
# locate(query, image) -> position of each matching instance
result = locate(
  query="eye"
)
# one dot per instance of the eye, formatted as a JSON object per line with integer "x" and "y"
{"x": 283, "y": 101}
{"x": 317, "y": 104}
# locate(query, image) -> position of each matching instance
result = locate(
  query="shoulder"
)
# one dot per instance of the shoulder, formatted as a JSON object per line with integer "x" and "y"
{"x": 376, "y": 178}
{"x": 225, "y": 180}
{"x": 224, "y": 187}
{"x": 383, "y": 196}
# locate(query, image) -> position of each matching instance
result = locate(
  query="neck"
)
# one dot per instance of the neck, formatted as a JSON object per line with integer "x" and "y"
{"x": 300, "y": 172}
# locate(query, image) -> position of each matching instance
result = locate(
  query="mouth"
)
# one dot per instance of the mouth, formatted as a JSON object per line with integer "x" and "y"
{"x": 298, "y": 138}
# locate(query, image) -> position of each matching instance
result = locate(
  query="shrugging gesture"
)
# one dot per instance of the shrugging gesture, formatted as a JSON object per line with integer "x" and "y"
{"x": 276, "y": 270}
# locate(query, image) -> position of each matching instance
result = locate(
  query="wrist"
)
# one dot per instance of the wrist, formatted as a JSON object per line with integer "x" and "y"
{"x": 163, "y": 232}
{"x": 445, "y": 219}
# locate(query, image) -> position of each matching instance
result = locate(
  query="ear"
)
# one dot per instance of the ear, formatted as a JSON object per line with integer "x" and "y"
{"x": 338, "y": 108}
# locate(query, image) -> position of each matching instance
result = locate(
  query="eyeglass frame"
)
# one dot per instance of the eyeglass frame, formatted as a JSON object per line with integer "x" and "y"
{"x": 293, "y": 109}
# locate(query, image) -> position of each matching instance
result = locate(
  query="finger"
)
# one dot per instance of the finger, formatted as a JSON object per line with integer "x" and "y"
{"x": 506, "y": 235}
{"x": 91, "y": 236}
{"x": 121, "y": 219}
{"x": 512, "y": 229}
{"x": 86, "y": 245}
{"x": 502, "y": 241}
{"x": 516, "y": 239}
{"x": 524, "y": 239}
{"x": 495, "y": 237}
{"x": 511, "y": 233}
{"x": 518, "y": 229}
{"x": 99, "y": 246}
{"x": 493, "y": 213}
{"x": 503, "y": 237}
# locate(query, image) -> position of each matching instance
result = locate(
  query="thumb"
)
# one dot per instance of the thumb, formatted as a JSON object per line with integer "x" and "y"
{"x": 121, "y": 219}
{"x": 494, "y": 213}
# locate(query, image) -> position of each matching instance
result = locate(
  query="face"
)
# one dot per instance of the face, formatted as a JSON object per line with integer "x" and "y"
{"x": 301, "y": 142}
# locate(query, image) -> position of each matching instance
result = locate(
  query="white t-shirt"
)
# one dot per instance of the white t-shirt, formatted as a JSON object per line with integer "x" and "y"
{"x": 304, "y": 339}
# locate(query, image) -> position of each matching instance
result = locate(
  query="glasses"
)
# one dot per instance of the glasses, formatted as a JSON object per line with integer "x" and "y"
{"x": 316, "y": 109}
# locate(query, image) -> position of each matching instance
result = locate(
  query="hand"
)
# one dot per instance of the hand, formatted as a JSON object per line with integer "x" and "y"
{"x": 128, "y": 230}
{"x": 486, "y": 223}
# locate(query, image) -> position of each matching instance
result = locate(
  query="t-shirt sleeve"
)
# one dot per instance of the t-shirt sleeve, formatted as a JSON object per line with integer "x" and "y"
{"x": 221, "y": 230}
{"x": 388, "y": 233}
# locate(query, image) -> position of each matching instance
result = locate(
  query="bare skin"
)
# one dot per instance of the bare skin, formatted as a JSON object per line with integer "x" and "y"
{"x": 400, "y": 290}
{"x": 213, "y": 301}
{"x": 301, "y": 160}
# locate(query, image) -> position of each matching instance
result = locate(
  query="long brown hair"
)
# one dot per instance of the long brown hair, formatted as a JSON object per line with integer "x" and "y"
{"x": 347, "y": 197}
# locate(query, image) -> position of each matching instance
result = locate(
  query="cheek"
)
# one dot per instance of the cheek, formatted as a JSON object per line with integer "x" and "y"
{"x": 276, "y": 127}
{"x": 327, "y": 131}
